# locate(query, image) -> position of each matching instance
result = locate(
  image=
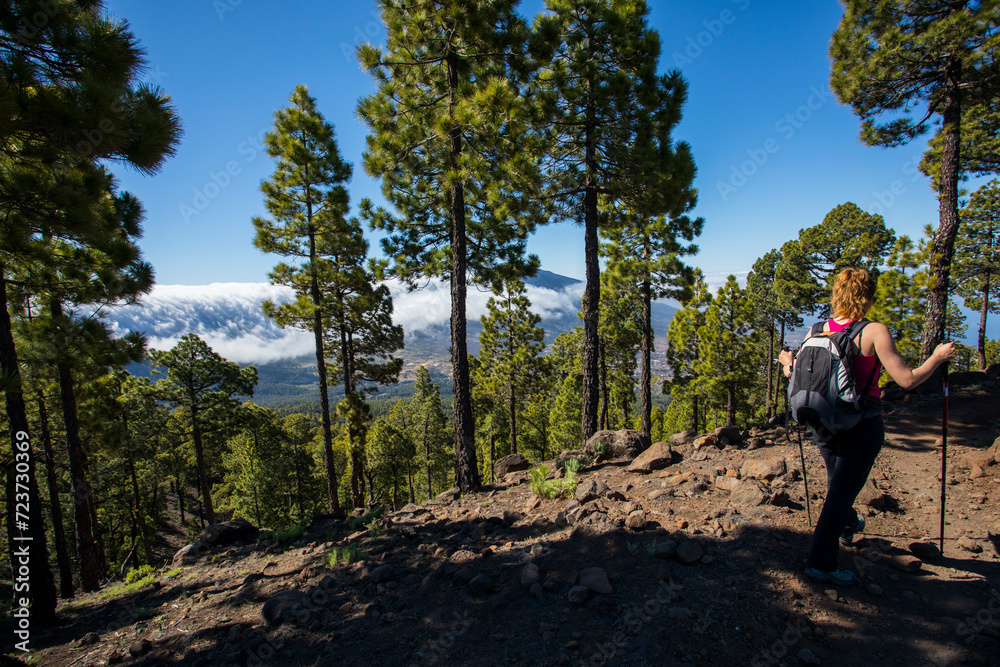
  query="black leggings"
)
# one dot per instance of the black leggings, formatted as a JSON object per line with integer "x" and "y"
{"x": 849, "y": 457}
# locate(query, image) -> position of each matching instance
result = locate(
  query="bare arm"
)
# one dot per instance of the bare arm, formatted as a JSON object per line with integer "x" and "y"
{"x": 885, "y": 348}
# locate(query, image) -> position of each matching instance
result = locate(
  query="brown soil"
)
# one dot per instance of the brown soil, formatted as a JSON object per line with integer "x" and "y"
{"x": 746, "y": 600}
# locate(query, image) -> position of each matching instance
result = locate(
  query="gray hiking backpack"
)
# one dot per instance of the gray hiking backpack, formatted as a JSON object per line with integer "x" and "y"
{"x": 822, "y": 391}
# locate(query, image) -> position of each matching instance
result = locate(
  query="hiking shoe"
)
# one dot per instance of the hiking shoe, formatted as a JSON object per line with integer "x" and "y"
{"x": 841, "y": 577}
{"x": 847, "y": 539}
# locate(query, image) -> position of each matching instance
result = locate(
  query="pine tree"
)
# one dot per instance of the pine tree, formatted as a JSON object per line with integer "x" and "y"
{"x": 206, "y": 386}
{"x": 847, "y": 237}
{"x": 723, "y": 339}
{"x": 977, "y": 258}
{"x": 620, "y": 340}
{"x": 684, "y": 349}
{"x": 430, "y": 424}
{"x": 891, "y": 57}
{"x": 72, "y": 99}
{"x": 308, "y": 201}
{"x": 611, "y": 119}
{"x": 511, "y": 366}
{"x": 451, "y": 140}
{"x": 648, "y": 253}
{"x": 900, "y": 297}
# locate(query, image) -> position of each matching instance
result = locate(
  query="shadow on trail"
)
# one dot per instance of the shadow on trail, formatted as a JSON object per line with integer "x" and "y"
{"x": 745, "y": 600}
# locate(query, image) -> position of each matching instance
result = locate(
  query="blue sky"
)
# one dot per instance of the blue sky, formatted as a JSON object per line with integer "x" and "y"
{"x": 774, "y": 149}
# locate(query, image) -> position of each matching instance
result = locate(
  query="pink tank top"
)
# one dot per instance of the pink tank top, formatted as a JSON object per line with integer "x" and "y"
{"x": 867, "y": 368}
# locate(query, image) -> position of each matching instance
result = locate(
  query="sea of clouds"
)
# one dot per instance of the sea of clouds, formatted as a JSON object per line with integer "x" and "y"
{"x": 229, "y": 318}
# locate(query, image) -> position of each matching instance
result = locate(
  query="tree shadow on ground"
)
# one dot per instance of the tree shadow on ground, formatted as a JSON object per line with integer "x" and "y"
{"x": 745, "y": 599}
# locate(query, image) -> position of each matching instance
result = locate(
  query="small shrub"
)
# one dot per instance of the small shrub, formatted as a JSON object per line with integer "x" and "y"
{"x": 282, "y": 534}
{"x": 600, "y": 449}
{"x": 343, "y": 556}
{"x": 369, "y": 517}
{"x": 552, "y": 488}
{"x": 138, "y": 573}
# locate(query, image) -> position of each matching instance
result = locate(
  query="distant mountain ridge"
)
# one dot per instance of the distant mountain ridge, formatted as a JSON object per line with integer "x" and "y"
{"x": 228, "y": 317}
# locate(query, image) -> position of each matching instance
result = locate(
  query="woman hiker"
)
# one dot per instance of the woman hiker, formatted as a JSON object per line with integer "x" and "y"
{"x": 850, "y": 454}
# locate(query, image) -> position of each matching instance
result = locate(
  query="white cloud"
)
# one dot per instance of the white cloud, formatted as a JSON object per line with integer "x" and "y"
{"x": 229, "y": 318}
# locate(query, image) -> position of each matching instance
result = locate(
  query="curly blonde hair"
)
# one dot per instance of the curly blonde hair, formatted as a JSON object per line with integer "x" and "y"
{"x": 853, "y": 293}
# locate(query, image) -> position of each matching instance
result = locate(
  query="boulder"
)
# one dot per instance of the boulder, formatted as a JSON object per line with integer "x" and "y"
{"x": 726, "y": 483}
{"x": 450, "y": 495}
{"x": 995, "y": 450}
{"x": 510, "y": 463}
{"x": 980, "y": 458}
{"x": 187, "y": 555}
{"x": 596, "y": 579}
{"x": 291, "y": 606}
{"x": 993, "y": 371}
{"x": 749, "y": 493}
{"x": 228, "y": 532}
{"x": 708, "y": 440}
{"x": 689, "y": 553}
{"x": 636, "y": 520}
{"x": 892, "y": 392}
{"x": 623, "y": 444}
{"x": 657, "y": 457}
{"x": 763, "y": 469}
{"x": 730, "y": 433}
{"x": 874, "y": 497}
{"x": 683, "y": 438}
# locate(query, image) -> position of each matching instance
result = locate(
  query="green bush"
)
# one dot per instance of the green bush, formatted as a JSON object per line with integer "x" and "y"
{"x": 138, "y": 573}
{"x": 287, "y": 534}
{"x": 554, "y": 488}
{"x": 343, "y": 556}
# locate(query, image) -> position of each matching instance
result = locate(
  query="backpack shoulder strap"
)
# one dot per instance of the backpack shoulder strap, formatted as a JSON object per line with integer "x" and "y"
{"x": 817, "y": 329}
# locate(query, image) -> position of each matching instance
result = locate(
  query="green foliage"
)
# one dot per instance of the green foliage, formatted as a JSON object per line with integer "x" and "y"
{"x": 552, "y": 488}
{"x": 365, "y": 520}
{"x": 282, "y": 535}
{"x": 510, "y": 370}
{"x": 976, "y": 271}
{"x": 138, "y": 573}
{"x": 847, "y": 237}
{"x": 343, "y": 556}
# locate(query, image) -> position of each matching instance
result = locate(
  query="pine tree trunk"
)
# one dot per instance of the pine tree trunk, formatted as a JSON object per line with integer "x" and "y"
{"x": 409, "y": 480}
{"x": 770, "y": 366}
{"x": 180, "y": 498}
{"x": 646, "y": 373}
{"x": 140, "y": 520}
{"x": 55, "y": 505}
{"x": 199, "y": 450}
{"x": 466, "y": 468}
{"x": 983, "y": 311}
{"x": 694, "y": 413}
{"x": 591, "y": 293}
{"x": 944, "y": 238}
{"x": 602, "y": 422}
{"x": 511, "y": 407}
{"x": 86, "y": 550}
{"x": 25, "y": 534}
{"x": 427, "y": 455}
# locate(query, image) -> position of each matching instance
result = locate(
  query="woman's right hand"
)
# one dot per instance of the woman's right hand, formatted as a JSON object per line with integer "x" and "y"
{"x": 944, "y": 352}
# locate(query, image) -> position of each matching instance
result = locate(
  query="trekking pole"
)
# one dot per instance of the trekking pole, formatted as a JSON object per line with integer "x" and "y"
{"x": 944, "y": 449}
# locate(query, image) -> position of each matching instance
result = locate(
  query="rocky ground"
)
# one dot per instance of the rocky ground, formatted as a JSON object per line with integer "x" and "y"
{"x": 695, "y": 563}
